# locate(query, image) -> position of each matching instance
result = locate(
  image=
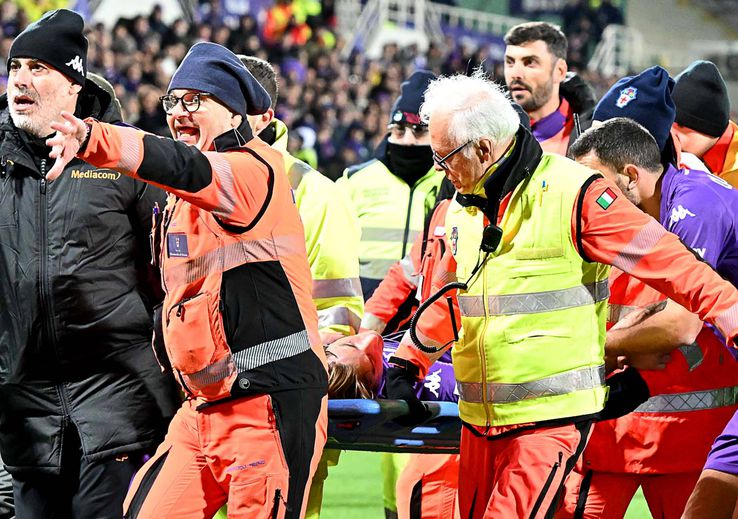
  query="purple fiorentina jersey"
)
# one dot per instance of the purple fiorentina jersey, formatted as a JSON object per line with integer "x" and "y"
{"x": 439, "y": 385}
{"x": 724, "y": 453}
{"x": 702, "y": 210}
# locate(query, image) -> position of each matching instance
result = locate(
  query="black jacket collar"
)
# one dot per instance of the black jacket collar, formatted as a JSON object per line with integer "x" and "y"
{"x": 515, "y": 169}
{"x": 234, "y": 139}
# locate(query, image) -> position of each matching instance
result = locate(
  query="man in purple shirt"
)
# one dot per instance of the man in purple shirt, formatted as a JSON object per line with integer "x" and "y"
{"x": 700, "y": 208}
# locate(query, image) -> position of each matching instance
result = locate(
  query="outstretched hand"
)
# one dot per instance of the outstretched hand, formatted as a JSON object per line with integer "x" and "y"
{"x": 70, "y": 134}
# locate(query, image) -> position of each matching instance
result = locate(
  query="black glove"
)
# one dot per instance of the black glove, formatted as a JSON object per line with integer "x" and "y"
{"x": 628, "y": 390}
{"x": 401, "y": 378}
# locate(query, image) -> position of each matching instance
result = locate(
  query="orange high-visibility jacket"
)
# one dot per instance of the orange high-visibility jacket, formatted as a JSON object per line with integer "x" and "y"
{"x": 692, "y": 400}
{"x": 238, "y": 316}
{"x": 722, "y": 158}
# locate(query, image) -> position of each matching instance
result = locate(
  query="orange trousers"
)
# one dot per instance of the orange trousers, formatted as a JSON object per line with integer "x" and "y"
{"x": 256, "y": 454}
{"x": 606, "y": 495}
{"x": 517, "y": 474}
{"x": 428, "y": 486}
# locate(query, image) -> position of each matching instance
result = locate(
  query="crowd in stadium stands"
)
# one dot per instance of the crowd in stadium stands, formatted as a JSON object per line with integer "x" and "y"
{"x": 336, "y": 108}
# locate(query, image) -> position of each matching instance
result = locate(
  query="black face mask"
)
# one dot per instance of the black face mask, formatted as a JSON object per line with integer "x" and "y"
{"x": 410, "y": 163}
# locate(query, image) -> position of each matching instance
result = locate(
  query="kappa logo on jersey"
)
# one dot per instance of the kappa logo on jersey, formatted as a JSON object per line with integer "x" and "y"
{"x": 433, "y": 382}
{"x": 626, "y": 96}
{"x": 76, "y": 64}
{"x": 680, "y": 213}
{"x": 454, "y": 240}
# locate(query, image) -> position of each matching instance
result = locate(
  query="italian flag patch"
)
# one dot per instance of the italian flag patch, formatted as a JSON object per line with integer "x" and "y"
{"x": 606, "y": 198}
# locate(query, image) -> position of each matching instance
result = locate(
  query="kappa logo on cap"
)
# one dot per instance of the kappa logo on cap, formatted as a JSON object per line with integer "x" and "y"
{"x": 76, "y": 64}
{"x": 626, "y": 96}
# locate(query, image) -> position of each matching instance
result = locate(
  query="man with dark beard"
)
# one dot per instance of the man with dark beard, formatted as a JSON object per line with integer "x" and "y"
{"x": 393, "y": 193}
{"x": 559, "y": 103}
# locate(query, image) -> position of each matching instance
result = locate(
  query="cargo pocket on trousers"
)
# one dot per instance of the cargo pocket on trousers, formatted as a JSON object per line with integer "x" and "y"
{"x": 261, "y": 498}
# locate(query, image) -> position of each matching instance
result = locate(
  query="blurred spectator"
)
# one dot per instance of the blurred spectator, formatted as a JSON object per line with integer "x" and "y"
{"x": 344, "y": 102}
{"x": 151, "y": 115}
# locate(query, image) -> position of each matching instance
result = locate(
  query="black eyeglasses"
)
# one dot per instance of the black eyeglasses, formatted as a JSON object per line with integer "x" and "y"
{"x": 441, "y": 161}
{"x": 398, "y": 130}
{"x": 190, "y": 101}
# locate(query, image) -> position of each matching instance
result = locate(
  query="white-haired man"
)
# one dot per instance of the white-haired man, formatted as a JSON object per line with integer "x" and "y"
{"x": 530, "y": 237}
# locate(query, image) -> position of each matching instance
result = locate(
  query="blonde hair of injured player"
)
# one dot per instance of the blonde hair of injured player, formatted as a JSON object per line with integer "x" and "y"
{"x": 355, "y": 366}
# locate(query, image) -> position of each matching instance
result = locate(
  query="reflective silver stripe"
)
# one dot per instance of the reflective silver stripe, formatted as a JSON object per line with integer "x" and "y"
{"x": 561, "y": 384}
{"x": 535, "y": 302}
{"x": 692, "y": 354}
{"x": 271, "y": 351}
{"x": 209, "y": 375}
{"x": 130, "y": 148}
{"x": 408, "y": 269}
{"x": 338, "y": 315}
{"x": 691, "y": 401}
{"x": 728, "y": 320}
{"x": 342, "y": 287}
{"x": 641, "y": 244}
{"x": 232, "y": 255}
{"x": 296, "y": 173}
{"x": 375, "y": 268}
{"x": 427, "y": 341}
{"x": 387, "y": 234}
{"x": 225, "y": 184}
{"x": 617, "y": 312}
{"x": 372, "y": 322}
{"x": 443, "y": 278}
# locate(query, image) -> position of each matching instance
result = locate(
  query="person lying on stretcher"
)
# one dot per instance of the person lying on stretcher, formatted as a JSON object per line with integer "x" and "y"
{"x": 357, "y": 368}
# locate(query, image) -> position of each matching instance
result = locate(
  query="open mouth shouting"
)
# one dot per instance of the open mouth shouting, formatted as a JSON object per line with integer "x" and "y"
{"x": 23, "y": 103}
{"x": 186, "y": 132}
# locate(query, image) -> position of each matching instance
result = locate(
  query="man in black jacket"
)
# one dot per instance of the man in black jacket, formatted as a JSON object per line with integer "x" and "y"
{"x": 81, "y": 396}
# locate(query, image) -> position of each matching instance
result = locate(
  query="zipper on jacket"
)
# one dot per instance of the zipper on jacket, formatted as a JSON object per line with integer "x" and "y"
{"x": 546, "y": 486}
{"x": 180, "y": 306}
{"x": 47, "y": 311}
{"x": 407, "y": 220}
{"x": 277, "y": 498}
{"x": 482, "y": 351}
{"x": 166, "y": 220}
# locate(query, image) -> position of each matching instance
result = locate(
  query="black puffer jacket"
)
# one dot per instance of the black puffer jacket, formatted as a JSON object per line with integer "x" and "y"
{"x": 75, "y": 305}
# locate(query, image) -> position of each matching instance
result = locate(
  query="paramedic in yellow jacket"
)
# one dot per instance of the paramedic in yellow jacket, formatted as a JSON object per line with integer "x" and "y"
{"x": 331, "y": 229}
{"x": 529, "y": 238}
{"x": 393, "y": 193}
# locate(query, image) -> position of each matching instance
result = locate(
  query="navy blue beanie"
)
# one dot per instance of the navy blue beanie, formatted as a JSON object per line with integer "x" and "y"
{"x": 407, "y": 107}
{"x": 209, "y": 67}
{"x": 645, "y": 98}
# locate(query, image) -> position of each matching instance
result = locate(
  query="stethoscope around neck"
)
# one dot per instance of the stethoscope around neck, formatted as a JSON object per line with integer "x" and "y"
{"x": 491, "y": 238}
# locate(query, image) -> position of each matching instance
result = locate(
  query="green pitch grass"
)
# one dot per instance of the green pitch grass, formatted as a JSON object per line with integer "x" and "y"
{"x": 353, "y": 490}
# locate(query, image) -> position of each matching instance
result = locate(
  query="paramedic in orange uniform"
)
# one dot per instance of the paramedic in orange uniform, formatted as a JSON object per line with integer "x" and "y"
{"x": 239, "y": 325}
